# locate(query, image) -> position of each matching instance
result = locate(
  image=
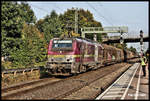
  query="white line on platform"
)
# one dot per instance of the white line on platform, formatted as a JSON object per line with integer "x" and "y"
{"x": 115, "y": 92}
{"x": 112, "y": 96}
{"x": 138, "y": 85}
{"x": 129, "y": 84}
{"x": 118, "y": 89}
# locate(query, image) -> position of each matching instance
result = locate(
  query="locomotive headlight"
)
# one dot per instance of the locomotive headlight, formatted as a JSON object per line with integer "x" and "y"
{"x": 51, "y": 59}
{"x": 69, "y": 59}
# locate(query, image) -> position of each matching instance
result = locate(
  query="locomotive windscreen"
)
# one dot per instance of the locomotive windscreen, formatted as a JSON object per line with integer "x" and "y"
{"x": 62, "y": 45}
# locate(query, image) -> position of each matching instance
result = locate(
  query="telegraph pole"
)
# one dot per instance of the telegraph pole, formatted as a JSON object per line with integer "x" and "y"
{"x": 76, "y": 20}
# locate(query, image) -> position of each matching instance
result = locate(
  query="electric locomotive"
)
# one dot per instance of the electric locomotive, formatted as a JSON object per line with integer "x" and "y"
{"x": 73, "y": 55}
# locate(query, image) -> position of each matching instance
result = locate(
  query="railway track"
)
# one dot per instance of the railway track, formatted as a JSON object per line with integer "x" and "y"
{"x": 26, "y": 87}
{"x": 59, "y": 89}
{"x": 84, "y": 84}
{"x": 79, "y": 87}
{"x": 92, "y": 89}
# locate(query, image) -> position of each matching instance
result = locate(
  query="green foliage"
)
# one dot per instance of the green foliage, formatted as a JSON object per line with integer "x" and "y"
{"x": 85, "y": 19}
{"x": 27, "y": 13}
{"x": 55, "y": 25}
{"x": 10, "y": 20}
{"x": 13, "y": 16}
{"x": 50, "y": 26}
{"x": 118, "y": 45}
{"x": 28, "y": 51}
{"x": 22, "y": 42}
{"x": 35, "y": 45}
{"x": 132, "y": 49}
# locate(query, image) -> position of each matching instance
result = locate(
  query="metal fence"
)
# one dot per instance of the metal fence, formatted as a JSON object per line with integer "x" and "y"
{"x": 20, "y": 70}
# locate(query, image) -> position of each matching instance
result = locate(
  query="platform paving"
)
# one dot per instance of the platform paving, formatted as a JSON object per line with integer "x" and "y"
{"x": 131, "y": 85}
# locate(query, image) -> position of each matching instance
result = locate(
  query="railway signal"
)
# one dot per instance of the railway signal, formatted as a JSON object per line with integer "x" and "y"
{"x": 141, "y": 42}
{"x": 121, "y": 38}
{"x": 141, "y": 36}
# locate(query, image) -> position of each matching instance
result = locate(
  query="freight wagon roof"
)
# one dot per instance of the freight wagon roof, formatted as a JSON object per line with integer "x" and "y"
{"x": 112, "y": 47}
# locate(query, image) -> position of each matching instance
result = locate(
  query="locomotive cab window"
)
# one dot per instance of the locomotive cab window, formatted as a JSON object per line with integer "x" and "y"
{"x": 62, "y": 45}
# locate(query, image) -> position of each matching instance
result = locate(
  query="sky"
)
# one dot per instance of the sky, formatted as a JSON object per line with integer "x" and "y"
{"x": 134, "y": 15}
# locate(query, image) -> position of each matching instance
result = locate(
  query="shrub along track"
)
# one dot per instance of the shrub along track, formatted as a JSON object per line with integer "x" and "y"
{"x": 70, "y": 85}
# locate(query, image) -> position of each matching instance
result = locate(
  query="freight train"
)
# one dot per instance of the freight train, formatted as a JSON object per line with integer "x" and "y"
{"x": 76, "y": 55}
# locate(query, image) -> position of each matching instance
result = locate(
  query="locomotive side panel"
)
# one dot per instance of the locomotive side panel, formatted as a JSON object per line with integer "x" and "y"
{"x": 118, "y": 55}
{"x": 100, "y": 54}
{"x": 107, "y": 54}
{"x": 89, "y": 57}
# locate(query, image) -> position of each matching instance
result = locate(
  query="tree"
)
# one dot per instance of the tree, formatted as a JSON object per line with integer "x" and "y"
{"x": 118, "y": 45}
{"x": 50, "y": 26}
{"x": 35, "y": 44}
{"x": 132, "y": 49}
{"x": 11, "y": 21}
{"x": 31, "y": 48}
{"x": 85, "y": 19}
{"x": 27, "y": 13}
{"x": 13, "y": 17}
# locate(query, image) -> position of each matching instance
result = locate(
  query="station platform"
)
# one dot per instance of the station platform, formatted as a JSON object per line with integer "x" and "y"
{"x": 131, "y": 85}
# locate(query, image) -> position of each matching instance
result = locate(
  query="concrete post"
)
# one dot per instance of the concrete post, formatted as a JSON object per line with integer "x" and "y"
{"x": 95, "y": 37}
{"x": 83, "y": 35}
